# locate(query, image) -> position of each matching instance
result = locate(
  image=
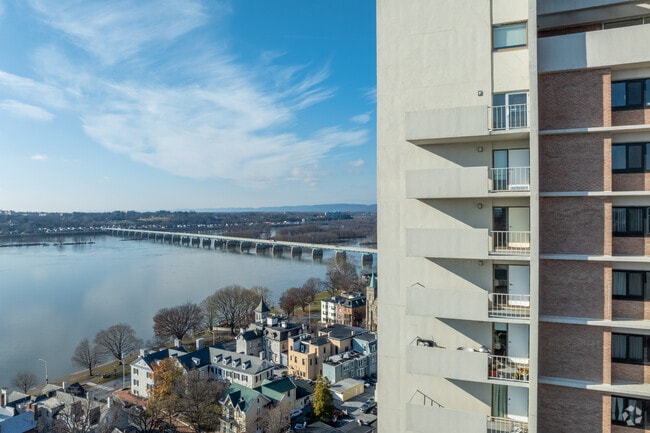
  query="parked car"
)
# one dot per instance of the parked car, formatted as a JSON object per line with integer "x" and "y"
{"x": 295, "y": 412}
{"x": 299, "y": 426}
{"x": 370, "y": 401}
{"x": 364, "y": 407}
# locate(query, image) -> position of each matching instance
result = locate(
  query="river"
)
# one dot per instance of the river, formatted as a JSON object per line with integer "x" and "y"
{"x": 51, "y": 297}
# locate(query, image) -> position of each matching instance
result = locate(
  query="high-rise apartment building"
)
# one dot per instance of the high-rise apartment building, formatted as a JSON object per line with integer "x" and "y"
{"x": 514, "y": 215}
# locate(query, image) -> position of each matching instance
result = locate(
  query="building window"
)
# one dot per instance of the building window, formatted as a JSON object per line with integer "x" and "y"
{"x": 630, "y": 349}
{"x": 630, "y": 221}
{"x": 509, "y": 110}
{"x": 629, "y": 285}
{"x": 630, "y": 412}
{"x": 509, "y": 36}
{"x": 134, "y": 371}
{"x": 631, "y": 158}
{"x": 136, "y": 382}
{"x": 630, "y": 94}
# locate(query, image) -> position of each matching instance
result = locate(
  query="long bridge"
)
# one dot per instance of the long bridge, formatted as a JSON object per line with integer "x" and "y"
{"x": 244, "y": 245}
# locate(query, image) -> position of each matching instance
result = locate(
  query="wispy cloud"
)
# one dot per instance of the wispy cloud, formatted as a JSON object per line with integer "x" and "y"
{"x": 20, "y": 109}
{"x": 39, "y": 157}
{"x": 116, "y": 30}
{"x": 221, "y": 119}
{"x": 357, "y": 163}
{"x": 361, "y": 118}
{"x": 371, "y": 94}
{"x": 31, "y": 90}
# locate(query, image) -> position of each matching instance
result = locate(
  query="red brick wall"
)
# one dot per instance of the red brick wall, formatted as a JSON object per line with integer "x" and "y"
{"x": 574, "y": 352}
{"x": 575, "y": 99}
{"x": 630, "y": 372}
{"x": 575, "y": 162}
{"x": 631, "y": 117}
{"x": 630, "y": 181}
{"x": 570, "y": 410}
{"x": 575, "y": 225}
{"x": 639, "y": 310}
{"x": 630, "y": 245}
{"x": 575, "y": 289}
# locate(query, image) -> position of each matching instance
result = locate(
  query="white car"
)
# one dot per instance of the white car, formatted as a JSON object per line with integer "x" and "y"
{"x": 295, "y": 412}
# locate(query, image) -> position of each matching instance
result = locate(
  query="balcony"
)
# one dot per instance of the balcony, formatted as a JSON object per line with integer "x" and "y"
{"x": 509, "y": 179}
{"x": 511, "y": 243}
{"x": 505, "y": 425}
{"x": 463, "y": 304}
{"x": 508, "y": 368}
{"x": 509, "y": 306}
{"x": 462, "y": 364}
{"x": 509, "y": 117}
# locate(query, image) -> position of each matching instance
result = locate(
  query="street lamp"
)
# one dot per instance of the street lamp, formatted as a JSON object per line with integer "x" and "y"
{"x": 42, "y": 360}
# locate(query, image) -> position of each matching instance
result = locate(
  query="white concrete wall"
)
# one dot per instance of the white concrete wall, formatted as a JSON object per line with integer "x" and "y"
{"x": 447, "y": 182}
{"x": 422, "y": 419}
{"x": 452, "y": 243}
{"x": 450, "y": 363}
{"x": 447, "y": 303}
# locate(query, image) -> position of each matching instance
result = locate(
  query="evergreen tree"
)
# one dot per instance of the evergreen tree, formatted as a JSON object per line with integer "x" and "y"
{"x": 323, "y": 401}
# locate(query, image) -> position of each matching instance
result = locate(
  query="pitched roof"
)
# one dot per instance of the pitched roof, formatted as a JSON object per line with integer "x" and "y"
{"x": 341, "y": 332}
{"x": 21, "y": 423}
{"x": 276, "y": 389}
{"x": 250, "y": 335}
{"x": 240, "y": 396}
{"x": 262, "y": 307}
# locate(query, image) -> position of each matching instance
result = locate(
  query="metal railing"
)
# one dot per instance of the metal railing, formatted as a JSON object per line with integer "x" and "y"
{"x": 508, "y": 368}
{"x": 505, "y": 425}
{"x": 426, "y": 400}
{"x": 510, "y": 179}
{"x": 513, "y": 116}
{"x": 511, "y": 242}
{"x": 509, "y": 306}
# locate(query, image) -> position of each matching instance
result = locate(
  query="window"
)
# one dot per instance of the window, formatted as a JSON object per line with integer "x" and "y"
{"x": 509, "y": 36}
{"x": 630, "y": 349}
{"x": 630, "y": 221}
{"x": 134, "y": 371}
{"x": 136, "y": 382}
{"x": 631, "y": 158}
{"x": 630, "y": 412}
{"x": 509, "y": 110}
{"x": 629, "y": 285}
{"x": 630, "y": 94}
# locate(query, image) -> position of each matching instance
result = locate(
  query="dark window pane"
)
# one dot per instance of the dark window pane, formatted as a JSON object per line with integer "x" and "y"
{"x": 635, "y": 94}
{"x": 619, "y": 157}
{"x": 647, "y": 157}
{"x": 635, "y": 284}
{"x": 635, "y": 220}
{"x": 647, "y": 93}
{"x": 635, "y": 157}
{"x": 619, "y": 220}
{"x": 635, "y": 347}
{"x": 619, "y": 346}
{"x": 509, "y": 36}
{"x": 618, "y": 94}
{"x": 619, "y": 283}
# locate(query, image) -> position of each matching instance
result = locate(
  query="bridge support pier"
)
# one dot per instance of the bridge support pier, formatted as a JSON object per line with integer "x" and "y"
{"x": 277, "y": 250}
{"x": 296, "y": 252}
{"x": 340, "y": 256}
{"x": 366, "y": 259}
{"x": 316, "y": 254}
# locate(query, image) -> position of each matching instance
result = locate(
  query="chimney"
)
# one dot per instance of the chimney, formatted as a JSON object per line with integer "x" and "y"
{"x": 142, "y": 353}
{"x": 177, "y": 343}
{"x": 64, "y": 385}
{"x": 109, "y": 402}
{"x": 3, "y": 397}
{"x": 199, "y": 343}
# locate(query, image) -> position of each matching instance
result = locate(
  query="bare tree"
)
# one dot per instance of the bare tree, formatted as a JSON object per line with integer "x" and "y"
{"x": 264, "y": 293}
{"x": 308, "y": 291}
{"x": 145, "y": 419}
{"x": 232, "y": 305}
{"x": 275, "y": 418}
{"x": 289, "y": 300}
{"x": 198, "y": 401}
{"x": 86, "y": 356}
{"x": 341, "y": 276}
{"x": 24, "y": 380}
{"x": 117, "y": 341}
{"x": 177, "y": 321}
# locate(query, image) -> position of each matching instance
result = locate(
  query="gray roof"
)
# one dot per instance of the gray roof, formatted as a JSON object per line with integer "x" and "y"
{"x": 21, "y": 423}
{"x": 262, "y": 307}
{"x": 341, "y": 332}
{"x": 238, "y": 361}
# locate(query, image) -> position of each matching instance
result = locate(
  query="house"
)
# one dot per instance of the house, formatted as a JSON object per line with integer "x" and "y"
{"x": 341, "y": 336}
{"x": 347, "y": 309}
{"x": 245, "y": 370}
{"x": 277, "y": 332}
{"x": 346, "y": 389}
{"x": 142, "y": 369}
{"x": 250, "y": 342}
{"x": 307, "y": 354}
{"x": 73, "y": 411}
{"x": 241, "y": 409}
{"x": 13, "y": 422}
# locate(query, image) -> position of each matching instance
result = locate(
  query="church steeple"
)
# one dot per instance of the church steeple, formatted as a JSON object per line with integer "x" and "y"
{"x": 261, "y": 312}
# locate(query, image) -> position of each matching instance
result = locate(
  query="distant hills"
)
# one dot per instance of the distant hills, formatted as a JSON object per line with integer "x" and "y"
{"x": 335, "y": 207}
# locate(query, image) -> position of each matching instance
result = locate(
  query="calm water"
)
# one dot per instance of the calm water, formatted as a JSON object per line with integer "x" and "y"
{"x": 51, "y": 297}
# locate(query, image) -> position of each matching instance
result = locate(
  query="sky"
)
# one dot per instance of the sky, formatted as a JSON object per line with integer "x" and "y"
{"x": 151, "y": 105}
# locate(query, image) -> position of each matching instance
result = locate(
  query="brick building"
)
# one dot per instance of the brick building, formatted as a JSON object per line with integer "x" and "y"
{"x": 514, "y": 215}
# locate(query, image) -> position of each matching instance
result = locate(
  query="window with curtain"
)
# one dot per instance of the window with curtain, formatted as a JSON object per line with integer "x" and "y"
{"x": 499, "y": 401}
{"x": 629, "y": 285}
{"x": 630, "y": 412}
{"x": 629, "y": 349}
{"x": 630, "y": 221}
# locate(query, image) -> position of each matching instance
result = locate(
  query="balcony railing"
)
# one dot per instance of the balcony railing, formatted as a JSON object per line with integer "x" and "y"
{"x": 508, "y": 368}
{"x": 505, "y": 425}
{"x": 511, "y": 242}
{"x": 506, "y": 117}
{"x": 510, "y": 179}
{"x": 511, "y": 306}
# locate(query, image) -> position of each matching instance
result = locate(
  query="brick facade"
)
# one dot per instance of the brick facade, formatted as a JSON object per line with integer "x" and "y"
{"x": 575, "y": 162}
{"x": 638, "y": 310}
{"x": 630, "y": 372}
{"x": 575, "y": 289}
{"x": 631, "y": 117}
{"x": 630, "y": 245}
{"x": 571, "y": 410}
{"x": 631, "y": 182}
{"x": 578, "y": 352}
{"x": 575, "y": 99}
{"x": 575, "y": 225}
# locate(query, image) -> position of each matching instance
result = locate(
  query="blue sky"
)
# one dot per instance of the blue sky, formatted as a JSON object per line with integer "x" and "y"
{"x": 148, "y": 105}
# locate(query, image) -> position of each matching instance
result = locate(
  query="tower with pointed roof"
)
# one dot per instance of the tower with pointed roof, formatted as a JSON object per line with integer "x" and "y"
{"x": 261, "y": 312}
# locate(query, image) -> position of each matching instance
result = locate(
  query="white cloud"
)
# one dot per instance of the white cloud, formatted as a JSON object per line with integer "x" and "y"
{"x": 39, "y": 157}
{"x": 116, "y": 30}
{"x": 361, "y": 118}
{"x": 25, "y": 88}
{"x": 20, "y": 109}
{"x": 357, "y": 163}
